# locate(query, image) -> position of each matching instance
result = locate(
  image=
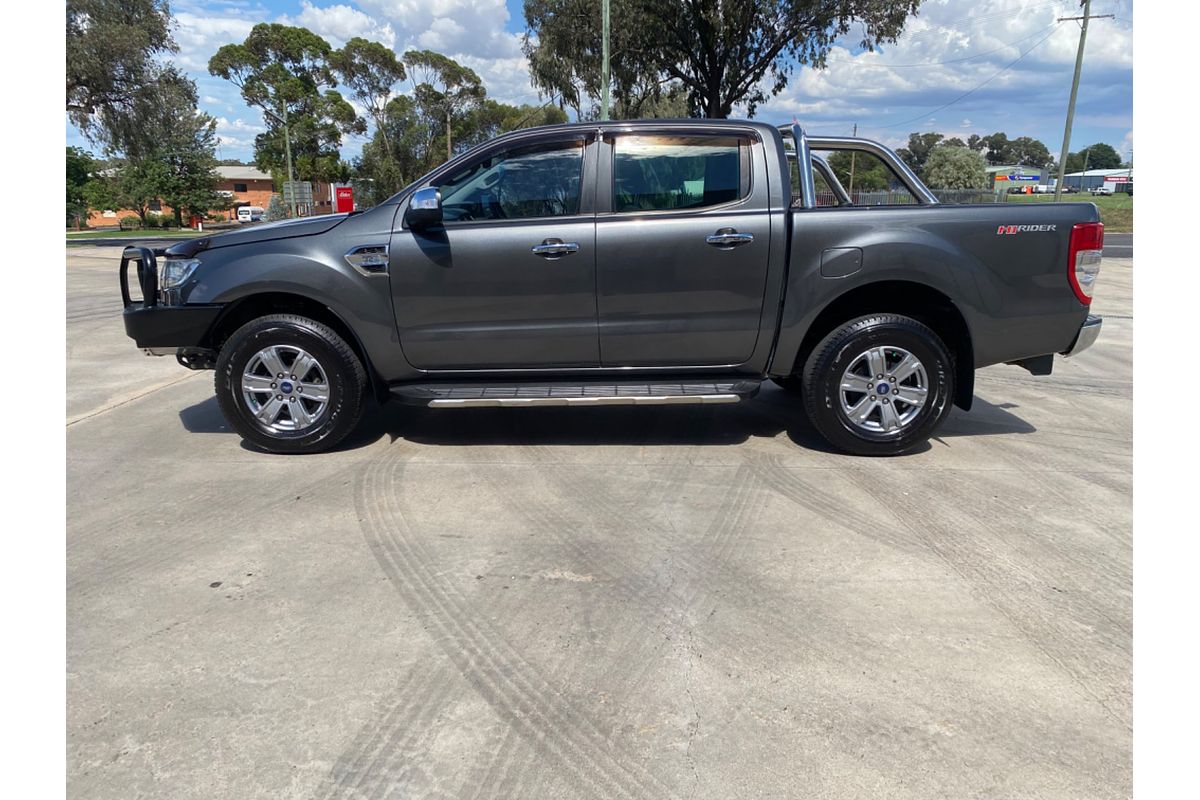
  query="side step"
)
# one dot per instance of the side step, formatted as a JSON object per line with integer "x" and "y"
{"x": 562, "y": 393}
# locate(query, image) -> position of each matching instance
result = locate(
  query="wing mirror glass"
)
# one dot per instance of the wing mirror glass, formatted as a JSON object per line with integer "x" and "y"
{"x": 425, "y": 208}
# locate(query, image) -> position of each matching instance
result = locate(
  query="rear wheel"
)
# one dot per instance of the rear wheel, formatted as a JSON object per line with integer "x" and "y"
{"x": 879, "y": 385}
{"x": 289, "y": 384}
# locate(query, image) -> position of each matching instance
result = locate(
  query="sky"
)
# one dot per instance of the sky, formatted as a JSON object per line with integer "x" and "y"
{"x": 960, "y": 67}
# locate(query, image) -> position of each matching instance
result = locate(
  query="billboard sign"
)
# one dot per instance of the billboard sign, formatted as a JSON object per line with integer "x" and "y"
{"x": 344, "y": 199}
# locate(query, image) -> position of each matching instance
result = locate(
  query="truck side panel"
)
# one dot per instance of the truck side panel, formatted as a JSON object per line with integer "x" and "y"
{"x": 1003, "y": 266}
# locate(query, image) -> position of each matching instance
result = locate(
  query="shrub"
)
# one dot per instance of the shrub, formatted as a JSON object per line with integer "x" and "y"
{"x": 129, "y": 223}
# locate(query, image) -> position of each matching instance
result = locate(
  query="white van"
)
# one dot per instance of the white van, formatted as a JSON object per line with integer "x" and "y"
{"x": 250, "y": 214}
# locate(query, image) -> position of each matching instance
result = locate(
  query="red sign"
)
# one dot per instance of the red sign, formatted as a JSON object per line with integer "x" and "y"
{"x": 345, "y": 199}
{"x": 1118, "y": 179}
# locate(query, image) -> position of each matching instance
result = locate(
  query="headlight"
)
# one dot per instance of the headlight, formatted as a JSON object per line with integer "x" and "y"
{"x": 175, "y": 271}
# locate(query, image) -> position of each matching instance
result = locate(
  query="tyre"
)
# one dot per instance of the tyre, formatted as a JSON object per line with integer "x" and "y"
{"x": 289, "y": 384}
{"x": 879, "y": 385}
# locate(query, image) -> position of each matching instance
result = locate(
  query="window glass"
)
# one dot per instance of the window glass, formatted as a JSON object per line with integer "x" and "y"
{"x": 239, "y": 187}
{"x": 657, "y": 173}
{"x": 536, "y": 181}
{"x": 867, "y": 179}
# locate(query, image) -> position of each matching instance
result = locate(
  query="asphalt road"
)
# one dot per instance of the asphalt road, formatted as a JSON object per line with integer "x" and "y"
{"x": 608, "y": 603}
{"x": 1118, "y": 245}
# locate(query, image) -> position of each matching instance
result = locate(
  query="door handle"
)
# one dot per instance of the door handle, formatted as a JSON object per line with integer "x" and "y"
{"x": 553, "y": 248}
{"x": 728, "y": 238}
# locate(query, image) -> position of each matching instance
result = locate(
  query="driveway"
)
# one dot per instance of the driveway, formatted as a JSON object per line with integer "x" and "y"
{"x": 652, "y": 602}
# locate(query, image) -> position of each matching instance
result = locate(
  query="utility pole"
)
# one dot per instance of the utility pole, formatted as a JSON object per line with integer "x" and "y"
{"x": 1062, "y": 161}
{"x": 850, "y": 188}
{"x": 604, "y": 79}
{"x": 287, "y": 143}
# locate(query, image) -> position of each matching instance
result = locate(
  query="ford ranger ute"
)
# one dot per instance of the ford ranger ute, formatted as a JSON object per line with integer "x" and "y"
{"x": 627, "y": 263}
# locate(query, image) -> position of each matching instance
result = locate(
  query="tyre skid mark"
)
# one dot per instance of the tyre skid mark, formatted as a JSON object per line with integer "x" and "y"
{"x": 984, "y": 578}
{"x": 503, "y": 761}
{"x": 374, "y": 763}
{"x": 553, "y": 525}
{"x": 499, "y": 674}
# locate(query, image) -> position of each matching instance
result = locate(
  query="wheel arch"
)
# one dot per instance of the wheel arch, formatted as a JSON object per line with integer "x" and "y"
{"x": 252, "y": 306}
{"x": 919, "y": 301}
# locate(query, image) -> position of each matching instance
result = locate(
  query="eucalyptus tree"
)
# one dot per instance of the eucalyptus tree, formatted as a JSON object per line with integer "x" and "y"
{"x": 724, "y": 53}
{"x": 447, "y": 90}
{"x": 285, "y": 71}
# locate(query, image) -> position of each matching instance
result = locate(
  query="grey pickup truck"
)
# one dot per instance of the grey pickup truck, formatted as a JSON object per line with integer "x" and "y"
{"x": 628, "y": 263}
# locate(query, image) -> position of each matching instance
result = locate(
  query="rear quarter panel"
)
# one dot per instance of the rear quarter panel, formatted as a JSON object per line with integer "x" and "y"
{"x": 1011, "y": 288}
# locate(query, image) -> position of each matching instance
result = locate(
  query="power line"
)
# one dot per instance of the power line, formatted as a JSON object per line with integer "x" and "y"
{"x": 970, "y": 92}
{"x": 969, "y": 58}
{"x": 968, "y": 22}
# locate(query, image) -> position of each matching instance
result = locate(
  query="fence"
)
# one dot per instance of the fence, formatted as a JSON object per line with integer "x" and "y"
{"x": 904, "y": 198}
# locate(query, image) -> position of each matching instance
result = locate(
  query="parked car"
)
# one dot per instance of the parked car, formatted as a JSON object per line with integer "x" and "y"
{"x": 250, "y": 214}
{"x": 626, "y": 263}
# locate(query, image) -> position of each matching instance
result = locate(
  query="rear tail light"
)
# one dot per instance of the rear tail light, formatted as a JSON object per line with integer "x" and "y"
{"x": 1083, "y": 264}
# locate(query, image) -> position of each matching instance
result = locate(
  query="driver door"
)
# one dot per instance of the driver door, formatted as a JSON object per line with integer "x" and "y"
{"x": 509, "y": 279}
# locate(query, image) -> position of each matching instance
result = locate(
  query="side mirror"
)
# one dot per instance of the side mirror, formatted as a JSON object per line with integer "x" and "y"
{"x": 424, "y": 209}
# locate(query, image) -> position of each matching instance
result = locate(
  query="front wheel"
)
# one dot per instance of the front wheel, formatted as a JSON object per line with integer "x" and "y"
{"x": 879, "y": 385}
{"x": 289, "y": 384}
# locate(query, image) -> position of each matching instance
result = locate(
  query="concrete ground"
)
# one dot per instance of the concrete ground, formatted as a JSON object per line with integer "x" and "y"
{"x": 611, "y": 603}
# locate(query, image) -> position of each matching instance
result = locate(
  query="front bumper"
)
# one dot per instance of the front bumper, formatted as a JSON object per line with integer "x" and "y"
{"x": 1086, "y": 336}
{"x": 157, "y": 327}
{"x": 169, "y": 327}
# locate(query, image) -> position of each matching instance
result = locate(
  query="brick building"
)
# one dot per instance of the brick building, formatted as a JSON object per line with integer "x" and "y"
{"x": 244, "y": 186}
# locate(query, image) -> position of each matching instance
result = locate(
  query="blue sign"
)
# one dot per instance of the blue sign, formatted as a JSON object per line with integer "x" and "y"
{"x": 1019, "y": 177}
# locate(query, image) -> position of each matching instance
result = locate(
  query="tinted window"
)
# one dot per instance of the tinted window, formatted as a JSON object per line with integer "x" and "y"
{"x": 536, "y": 181}
{"x": 239, "y": 187}
{"x": 655, "y": 173}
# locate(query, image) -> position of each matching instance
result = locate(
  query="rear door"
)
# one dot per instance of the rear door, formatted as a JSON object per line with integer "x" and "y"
{"x": 682, "y": 247}
{"x": 509, "y": 281}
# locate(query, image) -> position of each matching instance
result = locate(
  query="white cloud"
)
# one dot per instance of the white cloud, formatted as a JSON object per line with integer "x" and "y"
{"x": 340, "y": 23}
{"x": 1125, "y": 148}
{"x": 453, "y": 27}
{"x": 953, "y": 48}
{"x": 199, "y": 37}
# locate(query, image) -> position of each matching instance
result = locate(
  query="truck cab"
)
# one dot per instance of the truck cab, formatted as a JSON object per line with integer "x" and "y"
{"x": 628, "y": 263}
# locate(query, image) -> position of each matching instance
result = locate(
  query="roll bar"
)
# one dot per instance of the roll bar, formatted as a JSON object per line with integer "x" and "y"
{"x": 805, "y": 145}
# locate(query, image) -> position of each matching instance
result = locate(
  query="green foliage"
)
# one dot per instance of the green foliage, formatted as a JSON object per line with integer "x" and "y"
{"x": 412, "y": 137}
{"x": 448, "y": 91}
{"x": 869, "y": 173}
{"x": 955, "y": 168}
{"x": 79, "y": 173}
{"x": 1098, "y": 156}
{"x": 920, "y": 145}
{"x": 286, "y": 71}
{"x": 1026, "y": 151}
{"x": 275, "y": 209}
{"x": 129, "y": 223}
{"x": 997, "y": 149}
{"x": 370, "y": 71}
{"x": 112, "y": 73}
{"x": 721, "y": 53}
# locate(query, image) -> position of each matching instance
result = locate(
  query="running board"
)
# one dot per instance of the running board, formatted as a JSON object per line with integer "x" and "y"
{"x": 624, "y": 393}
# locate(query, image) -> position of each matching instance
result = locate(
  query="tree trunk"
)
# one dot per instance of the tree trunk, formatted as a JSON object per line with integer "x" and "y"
{"x": 178, "y": 217}
{"x": 449, "y": 151}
